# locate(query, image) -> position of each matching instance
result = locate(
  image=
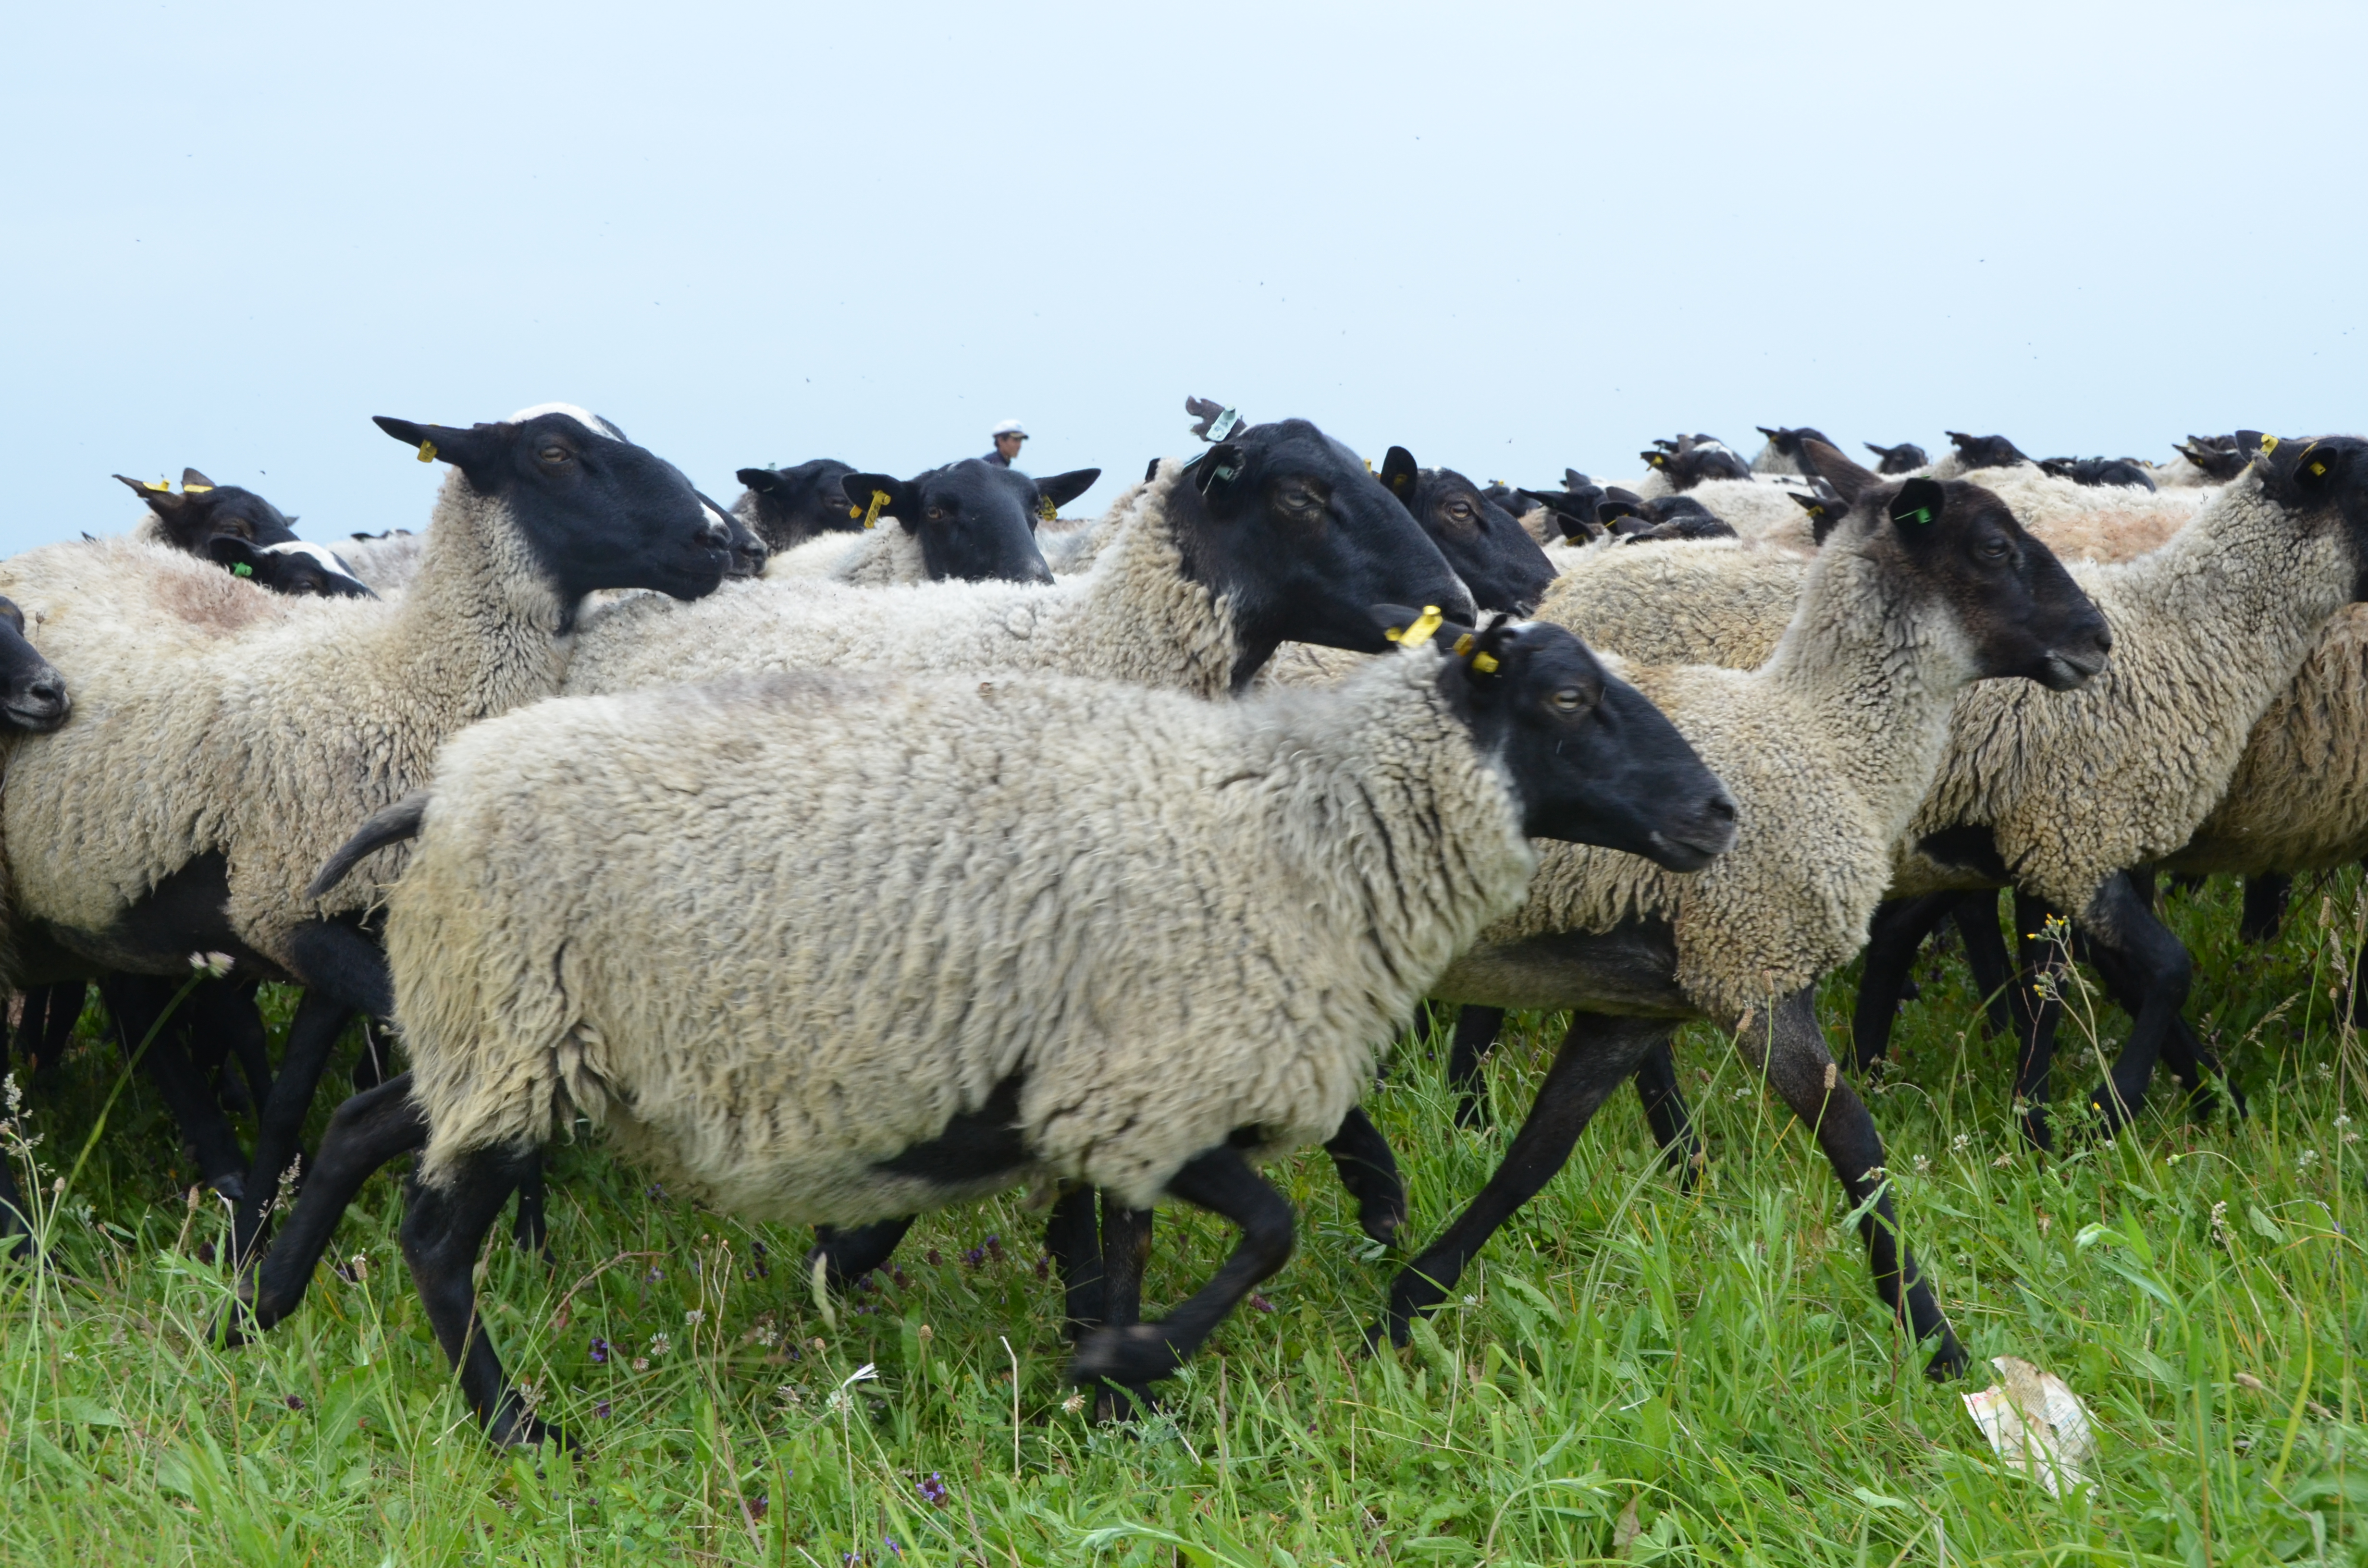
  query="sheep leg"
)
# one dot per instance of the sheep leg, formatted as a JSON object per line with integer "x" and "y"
{"x": 1073, "y": 1236}
{"x": 1221, "y": 1181}
{"x": 1370, "y": 1171}
{"x": 1475, "y": 1036}
{"x": 1598, "y": 1055}
{"x": 47, "y": 1026}
{"x": 531, "y": 1232}
{"x": 1975, "y": 915}
{"x": 1126, "y": 1249}
{"x": 2117, "y": 917}
{"x": 371, "y": 1067}
{"x": 1791, "y": 1050}
{"x": 142, "y": 1006}
{"x": 1666, "y": 1113}
{"x": 224, "y": 1016}
{"x": 368, "y": 1130}
{"x": 2036, "y": 1015}
{"x": 2265, "y": 907}
{"x": 2191, "y": 1061}
{"x": 443, "y": 1229}
{"x": 320, "y": 1019}
{"x": 847, "y": 1256}
{"x": 1894, "y": 938}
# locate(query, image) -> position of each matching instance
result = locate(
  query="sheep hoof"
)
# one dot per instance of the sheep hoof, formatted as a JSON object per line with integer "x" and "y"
{"x": 1950, "y": 1361}
{"x": 231, "y": 1185}
{"x": 1134, "y": 1355}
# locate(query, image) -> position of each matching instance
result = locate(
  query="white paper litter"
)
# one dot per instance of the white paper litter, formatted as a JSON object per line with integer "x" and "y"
{"x": 2036, "y": 1425}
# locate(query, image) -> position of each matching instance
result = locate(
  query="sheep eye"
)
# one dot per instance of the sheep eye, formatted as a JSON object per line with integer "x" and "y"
{"x": 1460, "y": 511}
{"x": 554, "y": 454}
{"x": 1994, "y": 549}
{"x": 1568, "y": 699}
{"x": 1299, "y": 499}
{"x": 935, "y": 513}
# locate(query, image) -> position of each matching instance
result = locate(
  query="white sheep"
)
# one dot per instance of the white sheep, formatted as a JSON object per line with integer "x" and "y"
{"x": 851, "y": 962}
{"x": 1830, "y": 747}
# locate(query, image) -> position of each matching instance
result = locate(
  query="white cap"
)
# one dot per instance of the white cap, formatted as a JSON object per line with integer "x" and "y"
{"x": 1008, "y": 427}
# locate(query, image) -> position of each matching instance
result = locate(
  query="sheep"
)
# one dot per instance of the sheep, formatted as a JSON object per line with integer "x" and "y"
{"x": 1278, "y": 534}
{"x": 385, "y": 562}
{"x": 1905, "y": 457}
{"x": 1690, "y": 459}
{"x": 1783, "y": 452}
{"x": 968, "y": 522}
{"x": 188, "y": 808}
{"x": 204, "y": 509}
{"x": 787, "y": 506}
{"x": 2100, "y": 471}
{"x": 1830, "y": 747}
{"x": 296, "y": 567}
{"x": 1975, "y": 453}
{"x": 2082, "y": 522}
{"x": 33, "y": 701}
{"x": 2058, "y": 796}
{"x": 1176, "y": 955}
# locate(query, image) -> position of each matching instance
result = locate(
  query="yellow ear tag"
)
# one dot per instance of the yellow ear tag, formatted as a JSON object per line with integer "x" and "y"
{"x": 162, "y": 486}
{"x": 1046, "y": 510}
{"x": 1464, "y": 645}
{"x": 1418, "y": 634}
{"x": 2319, "y": 470}
{"x": 1485, "y": 662}
{"x": 872, "y": 513}
{"x": 2269, "y": 445}
{"x": 1369, "y": 465}
{"x": 195, "y": 489}
{"x": 1657, "y": 460}
{"x": 855, "y": 511}
{"x": 427, "y": 451}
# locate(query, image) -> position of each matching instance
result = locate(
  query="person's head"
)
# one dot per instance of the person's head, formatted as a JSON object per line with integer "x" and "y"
{"x": 1008, "y": 436}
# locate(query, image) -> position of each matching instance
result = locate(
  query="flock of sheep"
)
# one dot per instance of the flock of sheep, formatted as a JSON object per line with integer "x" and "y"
{"x": 875, "y": 845}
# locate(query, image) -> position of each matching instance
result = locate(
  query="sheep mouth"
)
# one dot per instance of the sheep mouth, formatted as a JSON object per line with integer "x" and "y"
{"x": 2061, "y": 671}
{"x": 1688, "y": 853}
{"x": 39, "y": 716}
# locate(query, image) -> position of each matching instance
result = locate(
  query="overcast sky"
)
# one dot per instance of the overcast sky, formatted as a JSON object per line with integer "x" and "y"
{"x": 1511, "y": 238}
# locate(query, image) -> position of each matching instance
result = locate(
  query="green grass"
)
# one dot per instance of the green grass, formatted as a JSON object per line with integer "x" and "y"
{"x": 1711, "y": 1367}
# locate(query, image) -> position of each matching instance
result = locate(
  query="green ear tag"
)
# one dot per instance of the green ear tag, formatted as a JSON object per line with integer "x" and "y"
{"x": 241, "y": 569}
{"x": 1224, "y": 424}
{"x": 1921, "y": 515}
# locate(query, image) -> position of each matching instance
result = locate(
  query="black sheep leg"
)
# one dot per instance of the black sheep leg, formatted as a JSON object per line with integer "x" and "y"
{"x": 320, "y": 1019}
{"x": 2191, "y": 1063}
{"x": 2037, "y": 1013}
{"x": 2265, "y": 907}
{"x": 1475, "y": 1036}
{"x": 143, "y": 1006}
{"x": 1975, "y": 914}
{"x": 1221, "y": 1181}
{"x": 1666, "y": 1113}
{"x": 1893, "y": 940}
{"x": 368, "y": 1130}
{"x": 847, "y": 1255}
{"x": 532, "y": 1233}
{"x": 1799, "y": 1070}
{"x": 2160, "y": 967}
{"x": 443, "y": 1230}
{"x": 1126, "y": 1249}
{"x": 223, "y": 1023}
{"x": 1369, "y": 1172}
{"x": 47, "y": 1028}
{"x": 1073, "y": 1237}
{"x": 1597, "y": 1055}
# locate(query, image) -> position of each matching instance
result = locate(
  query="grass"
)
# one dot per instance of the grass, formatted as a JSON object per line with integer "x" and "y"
{"x": 1636, "y": 1373}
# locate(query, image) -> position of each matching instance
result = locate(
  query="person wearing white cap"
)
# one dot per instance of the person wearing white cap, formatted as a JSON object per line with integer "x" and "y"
{"x": 1008, "y": 436}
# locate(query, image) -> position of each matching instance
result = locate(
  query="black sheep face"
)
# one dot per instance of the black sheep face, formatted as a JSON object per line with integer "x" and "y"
{"x": 1593, "y": 761}
{"x": 976, "y": 521}
{"x": 2099, "y": 470}
{"x": 2323, "y": 484}
{"x": 295, "y": 567}
{"x": 1483, "y": 541}
{"x": 1985, "y": 451}
{"x": 1291, "y": 529}
{"x": 595, "y": 510}
{"x": 32, "y": 694}
{"x": 785, "y": 506}
{"x": 203, "y": 509}
{"x": 748, "y": 552}
{"x": 1694, "y": 458}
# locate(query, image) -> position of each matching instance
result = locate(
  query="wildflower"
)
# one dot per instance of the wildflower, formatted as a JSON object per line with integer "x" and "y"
{"x": 2308, "y": 1158}
{"x": 600, "y": 1351}
{"x": 896, "y": 1272}
{"x": 655, "y": 1192}
{"x": 973, "y": 1258}
{"x": 660, "y": 1344}
{"x": 758, "y": 1505}
{"x": 360, "y": 1267}
{"x": 2003, "y": 1161}
{"x": 215, "y": 964}
{"x": 767, "y": 1335}
{"x": 1073, "y": 1403}
{"x": 934, "y": 1260}
{"x": 694, "y": 1317}
{"x": 819, "y": 1345}
{"x": 1923, "y": 1165}
{"x": 2220, "y": 1222}
{"x": 790, "y": 1395}
{"x": 1259, "y": 1304}
{"x": 932, "y": 1491}
{"x": 924, "y": 1334}
{"x": 601, "y": 1411}
{"x": 16, "y": 1095}
{"x": 758, "y": 1268}
{"x": 1471, "y": 1300}
{"x": 1961, "y": 1142}
{"x": 995, "y": 1247}
{"x": 2324, "y": 1072}
{"x": 640, "y": 1363}
{"x": 1043, "y": 1265}
{"x": 294, "y": 1403}
{"x": 655, "y": 1274}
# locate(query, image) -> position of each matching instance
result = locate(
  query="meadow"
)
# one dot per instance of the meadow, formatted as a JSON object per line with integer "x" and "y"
{"x": 1636, "y": 1373}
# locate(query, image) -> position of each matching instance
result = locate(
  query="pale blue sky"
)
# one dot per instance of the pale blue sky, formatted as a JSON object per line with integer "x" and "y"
{"x": 1511, "y": 238}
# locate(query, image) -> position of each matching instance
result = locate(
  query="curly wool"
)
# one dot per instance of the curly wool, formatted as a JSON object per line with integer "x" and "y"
{"x": 1827, "y": 749}
{"x": 770, "y": 933}
{"x": 1134, "y": 616}
{"x": 1679, "y": 601}
{"x": 388, "y": 565}
{"x": 215, "y": 717}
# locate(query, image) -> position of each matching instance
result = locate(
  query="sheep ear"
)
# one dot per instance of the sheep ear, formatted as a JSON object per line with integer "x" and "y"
{"x": 1849, "y": 480}
{"x": 871, "y": 496}
{"x": 191, "y": 478}
{"x": 233, "y": 554}
{"x": 1608, "y": 511}
{"x": 1217, "y": 470}
{"x": 1657, "y": 458}
{"x": 1917, "y": 507}
{"x": 1398, "y": 473}
{"x": 1063, "y": 488}
{"x": 2305, "y": 471}
{"x": 464, "y": 449}
{"x": 161, "y": 500}
{"x": 763, "y": 481}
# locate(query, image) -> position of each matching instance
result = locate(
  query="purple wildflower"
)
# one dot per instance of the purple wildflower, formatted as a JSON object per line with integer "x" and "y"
{"x": 294, "y": 1403}
{"x": 1259, "y": 1304}
{"x": 933, "y": 1489}
{"x": 601, "y": 1410}
{"x": 994, "y": 1245}
{"x": 600, "y": 1351}
{"x": 973, "y": 1258}
{"x": 758, "y": 1505}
